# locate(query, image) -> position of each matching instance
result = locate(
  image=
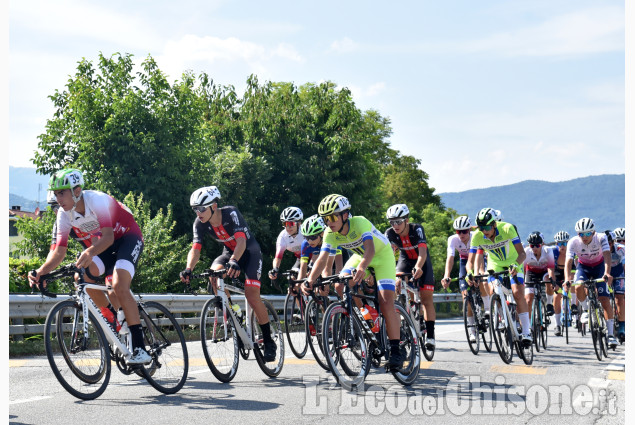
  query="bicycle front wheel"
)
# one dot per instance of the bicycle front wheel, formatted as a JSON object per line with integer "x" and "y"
{"x": 470, "y": 329}
{"x": 219, "y": 339}
{"x": 566, "y": 314}
{"x": 544, "y": 323}
{"x": 271, "y": 369}
{"x": 501, "y": 333}
{"x": 314, "y": 318}
{"x": 77, "y": 350}
{"x": 594, "y": 327}
{"x": 536, "y": 322}
{"x": 345, "y": 347}
{"x": 294, "y": 318}
{"x": 165, "y": 342}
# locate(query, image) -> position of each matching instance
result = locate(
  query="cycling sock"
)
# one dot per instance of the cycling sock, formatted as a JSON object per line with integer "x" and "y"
{"x": 585, "y": 305}
{"x": 266, "y": 332}
{"x": 558, "y": 319}
{"x": 524, "y": 322}
{"x": 609, "y": 326}
{"x": 470, "y": 324}
{"x": 550, "y": 299}
{"x": 486, "y": 302}
{"x": 430, "y": 328}
{"x": 394, "y": 346}
{"x": 574, "y": 297}
{"x": 136, "y": 332}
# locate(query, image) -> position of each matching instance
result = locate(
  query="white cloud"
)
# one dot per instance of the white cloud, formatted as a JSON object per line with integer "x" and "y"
{"x": 361, "y": 94}
{"x": 587, "y": 31}
{"x": 345, "y": 45}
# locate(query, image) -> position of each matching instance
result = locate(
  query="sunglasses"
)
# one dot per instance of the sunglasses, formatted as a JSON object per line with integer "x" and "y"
{"x": 585, "y": 234}
{"x": 562, "y": 243}
{"x": 199, "y": 209}
{"x": 332, "y": 218}
{"x": 312, "y": 237}
{"x": 397, "y": 222}
{"x": 486, "y": 227}
{"x": 462, "y": 232}
{"x": 534, "y": 246}
{"x": 289, "y": 223}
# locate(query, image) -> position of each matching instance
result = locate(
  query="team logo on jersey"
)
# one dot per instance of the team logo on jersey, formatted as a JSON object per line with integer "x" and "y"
{"x": 136, "y": 251}
{"x": 89, "y": 226}
{"x": 234, "y": 217}
{"x": 420, "y": 232}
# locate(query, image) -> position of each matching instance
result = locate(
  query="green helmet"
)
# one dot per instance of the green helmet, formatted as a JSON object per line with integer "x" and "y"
{"x": 67, "y": 178}
{"x": 313, "y": 225}
{"x": 485, "y": 216}
{"x": 333, "y": 204}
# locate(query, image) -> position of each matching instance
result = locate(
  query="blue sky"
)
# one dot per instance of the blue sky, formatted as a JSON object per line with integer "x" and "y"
{"x": 483, "y": 93}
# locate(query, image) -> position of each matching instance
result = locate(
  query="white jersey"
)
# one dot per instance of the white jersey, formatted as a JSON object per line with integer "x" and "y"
{"x": 455, "y": 244}
{"x": 619, "y": 255}
{"x": 588, "y": 255}
{"x": 541, "y": 265}
{"x": 286, "y": 242}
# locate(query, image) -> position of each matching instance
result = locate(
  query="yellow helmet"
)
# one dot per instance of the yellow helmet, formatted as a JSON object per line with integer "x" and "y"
{"x": 333, "y": 204}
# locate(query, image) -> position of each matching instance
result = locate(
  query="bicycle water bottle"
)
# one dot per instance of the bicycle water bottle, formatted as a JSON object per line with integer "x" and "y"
{"x": 237, "y": 309}
{"x": 121, "y": 318}
{"x": 375, "y": 319}
{"x": 110, "y": 317}
{"x": 368, "y": 317}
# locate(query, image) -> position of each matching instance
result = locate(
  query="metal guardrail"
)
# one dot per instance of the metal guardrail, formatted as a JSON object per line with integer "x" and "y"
{"x": 27, "y": 306}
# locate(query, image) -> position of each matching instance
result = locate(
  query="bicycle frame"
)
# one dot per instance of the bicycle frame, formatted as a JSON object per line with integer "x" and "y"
{"x": 508, "y": 296}
{"x": 405, "y": 290}
{"x": 244, "y": 333}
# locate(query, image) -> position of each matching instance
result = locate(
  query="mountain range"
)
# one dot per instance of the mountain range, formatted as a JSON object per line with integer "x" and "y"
{"x": 548, "y": 207}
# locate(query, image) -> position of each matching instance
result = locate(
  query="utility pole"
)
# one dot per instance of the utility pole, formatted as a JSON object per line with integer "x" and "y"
{"x": 39, "y": 189}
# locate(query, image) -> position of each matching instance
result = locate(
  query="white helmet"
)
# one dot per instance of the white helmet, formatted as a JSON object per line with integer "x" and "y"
{"x": 561, "y": 236}
{"x": 205, "y": 196}
{"x": 584, "y": 225}
{"x": 397, "y": 211}
{"x": 462, "y": 223}
{"x": 620, "y": 233}
{"x": 50, "y": 198}
{"x": 499, "y": 215}
{"x": 291, "y": 214}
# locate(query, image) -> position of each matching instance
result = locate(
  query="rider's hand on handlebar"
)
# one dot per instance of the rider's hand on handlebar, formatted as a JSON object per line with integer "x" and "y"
{"x": 84, "y": 260}
{"x": 445, "y": 282}
{"x": 34, "y": 278}
{"x": 186, "y": 275}
{"x": 358, "y": 276}
{"x": 233, "y": 269}
{"x": 273, "y": 273}
{"x": 416, "y": 273}
{"x": 307, "y": 287}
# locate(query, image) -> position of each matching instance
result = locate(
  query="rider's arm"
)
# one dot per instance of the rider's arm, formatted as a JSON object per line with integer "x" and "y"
{"x": 607, "y": 264}
{"x": 107, "y": 238}
{"x": 193, "y": 257}
{"x": 239, "y": 249}
{"x": 53, "y": 260}
{"x": 318, "y": 266}
{"x": 304, "y": 266}
{"x": 449, "y": 263}
{"x": 423, "y": 256}
{"x": 567, "y": 269}
{"x": 521, "y": 253}
{"x": 339, "y": 263}
{"x": 329, "y": 266}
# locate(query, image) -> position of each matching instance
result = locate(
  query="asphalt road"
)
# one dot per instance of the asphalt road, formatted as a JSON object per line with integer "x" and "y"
{"x": 566, "y": 384}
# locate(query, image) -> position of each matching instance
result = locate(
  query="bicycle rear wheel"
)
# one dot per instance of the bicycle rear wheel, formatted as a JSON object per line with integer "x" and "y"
{"x": 314, "y": 318}
{"x": 219, "y": 339}
{"x": 470, "y": 330}
{"x": 409, "y": 343}
{"x": 165, "y": 343}
{"x": 595, "y": 332}
{"x": 567, "y": 318}
{"x": 501, "y": 333}
{"x": 79, "y": 358}
{"x": 345, "y": 347}
{"x": 544, "y": 324}
{"x": 604, "y": 336}
{"x": 427, "y": 353}
{"x": 294, "y": 317}
{"x": 536, "y": 320}
{"x": 271, "y": 369}
{"x": 484, "y": 328}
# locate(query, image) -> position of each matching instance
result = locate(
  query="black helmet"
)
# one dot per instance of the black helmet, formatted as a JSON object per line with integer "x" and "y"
{"x": 535, "y": 238}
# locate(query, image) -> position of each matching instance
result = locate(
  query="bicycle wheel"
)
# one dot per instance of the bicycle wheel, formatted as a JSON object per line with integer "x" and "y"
{"x": 271, "y": 369}
{"x": 501, "y": 333}
{"x": 595, "y": 332}
{"x": 544, "y": 324}
{"x": 294, "y": 317}
{"x": 536, "y": 322}
{"x": 409, "y": 343}
{"x": 604, "y": 335}
{"x": 345, "y": 347}
{"x": 525, "y": 352}
{"x": 79, "y": 358}
{"x": 314, "y": 317}
{"x": 470, "y": 330}
{"x": 427, "y": 353}
{"x": 483, "y": 326}
{"x": 165, "y": 343}
{"x": 567, "y": 318}
{"x": 219, "y": 339}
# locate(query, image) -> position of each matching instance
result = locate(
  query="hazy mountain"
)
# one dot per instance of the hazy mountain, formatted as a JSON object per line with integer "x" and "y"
{"x": 548, "y": 207}
{"x": 24, "y": 182}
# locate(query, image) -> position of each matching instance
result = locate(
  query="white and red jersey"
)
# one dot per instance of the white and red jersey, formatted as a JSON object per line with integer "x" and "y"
{"x": 588, "y": 255}
{"x": 539, "y": 265}
{"x": 101, "y": 211}
{"x": 455, "y": 244}
{"x": 618, "y": 255}
{"x": 287, "y": 242}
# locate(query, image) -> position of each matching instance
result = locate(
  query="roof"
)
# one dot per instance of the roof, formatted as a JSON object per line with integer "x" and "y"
{"x": 15, "y": 213}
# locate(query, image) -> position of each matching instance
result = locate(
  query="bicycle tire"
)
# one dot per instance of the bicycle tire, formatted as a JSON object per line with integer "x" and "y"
{"x": 409, "y": 342}
{"x": 314, "y": 315}
{"x": 277, "y": 336}
{"x": 567, "y": 319}
{"x": 165, "y": 342}
{"x": 220, "y": 340}
{"x": 427, "y": 353}
{"x": 526, "y": 353}
{"x": 345, "y": 347}
{"x": 81, "y": 363}
{"x": 484, "y": 328}
{"x": 536, "y": 322}
{"x": 468, "y": 304}
{"x": 501, "y": 334}
{"x": 595, "y": 332}
{"x": 604, "y": 335}
{"x": 544, "y": 324}
{"x": 294, "y": 317}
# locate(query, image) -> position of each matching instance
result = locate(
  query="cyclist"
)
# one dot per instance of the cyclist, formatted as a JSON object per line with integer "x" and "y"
{"x": 289, "y": 239}
{"x": 370, "y": 249}
{"x": 559, "y": 257}
{"x": 108, "y": 232}
{"x": 461, "y": 242}
{"x": 414, "y": 256}
{"x": 241, "y": 252}
{"x": 500, "y": 240}
{"x": 499, "y": 215}
{"x": 620, "y": 235}
{"x": 618, "y": 260}
{"x": 313, "y": 231}
{"x": 539, "y": 262}
{"x": 594, "y": 262}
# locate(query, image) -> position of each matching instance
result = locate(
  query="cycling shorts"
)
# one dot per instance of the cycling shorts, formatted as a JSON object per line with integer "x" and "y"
{"x": 425, "y": 281}
{"x": 384, "y": 267}
{"x": 519, "y": 279}
{"x": 250, "y": 263}
{"x": 618, "y": 285}
{"x": 592, "y": 272}
{"x": 123, "y": 254}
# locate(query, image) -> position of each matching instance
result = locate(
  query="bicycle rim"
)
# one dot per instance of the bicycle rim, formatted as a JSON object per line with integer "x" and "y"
{"x": 165, "y": 343}
{"x": 484, "y": 328}
{"x": 409, "y": 343}
{"x": 501, "y": 333}
{"x": 544, "y": 322}
{"x": 294, "y": 317}
{"x": 567, "y": 320}
{"x": 536, "y": 323}
{"x": 271, "y": 369}
{"x": 604, "y": 336}
{"x": 80, "y": 361}
{"x": 220, "y": 340}
{"x": 346, "y": 348}
{"x": 314, "y": 318}
{"x": 470, "y": 329}
{"x": 595, "y": 333}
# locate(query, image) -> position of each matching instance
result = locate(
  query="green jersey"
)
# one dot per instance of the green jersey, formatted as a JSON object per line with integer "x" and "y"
{"x": 501, "y": 251}
{"x": 360, "y": 230}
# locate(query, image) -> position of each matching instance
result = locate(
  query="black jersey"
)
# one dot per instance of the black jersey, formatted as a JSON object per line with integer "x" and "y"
{"x": 408, "y": 245}
{"x": 232, "y": 226}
